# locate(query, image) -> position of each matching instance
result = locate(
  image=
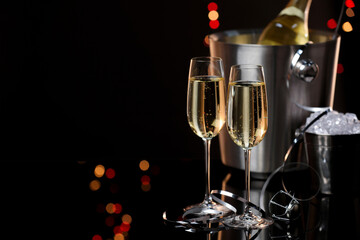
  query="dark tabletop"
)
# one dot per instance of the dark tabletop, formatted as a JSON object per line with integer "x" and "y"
{"x": 61, "y": 200}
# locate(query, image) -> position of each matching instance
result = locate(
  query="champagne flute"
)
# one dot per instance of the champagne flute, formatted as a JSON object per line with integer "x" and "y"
{"x": 247, "y": 123}
{"x": 206, "y": 116}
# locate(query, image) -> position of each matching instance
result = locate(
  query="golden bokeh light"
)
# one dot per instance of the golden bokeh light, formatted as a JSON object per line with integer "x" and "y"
{"x": 213, "y": 15}
{"x": 94, "y": 185}
{"x": 110, "y": 208}
{"x": 347, "y": 27}
{"x": 119, "y": 236}
{"x": 144, "y": 165}
{"x": 99, "y": 171}
{"x": 126, "y": 218}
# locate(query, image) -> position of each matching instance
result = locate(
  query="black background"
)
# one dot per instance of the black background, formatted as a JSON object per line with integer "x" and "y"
{"x": 84, "y": 79}
{"x": 90, "y": 79}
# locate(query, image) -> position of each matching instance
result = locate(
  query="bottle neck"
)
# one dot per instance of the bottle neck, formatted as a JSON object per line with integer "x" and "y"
{"x": 298, "y": 8}
{"x": 303, "y": 5}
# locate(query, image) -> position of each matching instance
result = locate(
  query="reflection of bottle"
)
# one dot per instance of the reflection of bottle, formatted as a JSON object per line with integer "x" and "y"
{"x": 290, "y": 27}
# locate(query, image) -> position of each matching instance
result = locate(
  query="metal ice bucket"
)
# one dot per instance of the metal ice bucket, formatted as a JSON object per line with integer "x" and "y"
{"x": 292, "y": 89}
{"x": 336, "y": 158}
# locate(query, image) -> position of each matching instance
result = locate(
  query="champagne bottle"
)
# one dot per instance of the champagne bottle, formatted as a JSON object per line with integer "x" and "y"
{"x": 290, "y": 27}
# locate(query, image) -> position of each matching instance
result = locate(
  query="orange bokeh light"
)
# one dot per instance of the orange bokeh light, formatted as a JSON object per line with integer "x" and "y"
{"x": 206, "y": 41}
{"x": 146, "y": 187}
{"x": 110, "y": 208}
{"x": 126, "y": 218}
{"x": 99, "y": 171}
{"x": 94, "y": 185}
{"x": 119, "y": 236}
{"x": 144, "y": 165}
{"x": 350, "y": 12}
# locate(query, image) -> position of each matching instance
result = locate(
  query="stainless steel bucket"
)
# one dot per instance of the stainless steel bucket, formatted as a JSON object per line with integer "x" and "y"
{"x": 290, "y": 92}
{"x": 337, "y": 160}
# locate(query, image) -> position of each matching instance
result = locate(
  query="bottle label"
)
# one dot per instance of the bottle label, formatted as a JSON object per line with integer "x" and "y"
{"x": 292, "y": 11}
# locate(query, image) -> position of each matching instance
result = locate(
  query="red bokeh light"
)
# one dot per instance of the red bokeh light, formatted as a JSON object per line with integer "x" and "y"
{"x": 110, "y": 173}
{"x": 349, "y": 3}
{"x": 212, "y": 6}
{"x": 331, "y": 23}
{"x": 96, "y": 237}
{"x": 109, "y": 221}
{"x": 214, "y": 24}
{"x": 118, "y": 208}
{"x": 116, "y": 229}
{"x": 340, "y": 68}
{"x": 145, "y": 180}
{"x": 124, "y": 227}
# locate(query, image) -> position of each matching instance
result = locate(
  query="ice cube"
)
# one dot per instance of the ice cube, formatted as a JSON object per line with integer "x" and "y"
{"x": 351, "y": 117}
{"x": 334, "y": 123}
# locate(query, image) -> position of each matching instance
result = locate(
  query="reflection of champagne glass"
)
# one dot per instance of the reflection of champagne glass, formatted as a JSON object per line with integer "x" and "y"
{"x": 247, "y": 123}
{"x": 206, "y": 117}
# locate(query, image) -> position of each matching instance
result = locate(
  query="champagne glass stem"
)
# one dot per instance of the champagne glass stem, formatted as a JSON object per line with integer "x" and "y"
{"x": 247, "y": 174}
{"x": 207, "y": 170}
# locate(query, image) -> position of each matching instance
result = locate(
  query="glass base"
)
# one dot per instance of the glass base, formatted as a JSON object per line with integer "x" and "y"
{"x": 248, "y": 220}
{"x": 207, "y": 211}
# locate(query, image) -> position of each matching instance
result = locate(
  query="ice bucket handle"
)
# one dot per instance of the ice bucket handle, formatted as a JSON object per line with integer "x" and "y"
{"x": 305, "y": 69}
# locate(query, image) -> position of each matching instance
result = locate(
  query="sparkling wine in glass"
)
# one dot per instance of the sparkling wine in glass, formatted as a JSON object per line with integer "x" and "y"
{"x": 206, "y": 103}
{"x": 247, "y": 123}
